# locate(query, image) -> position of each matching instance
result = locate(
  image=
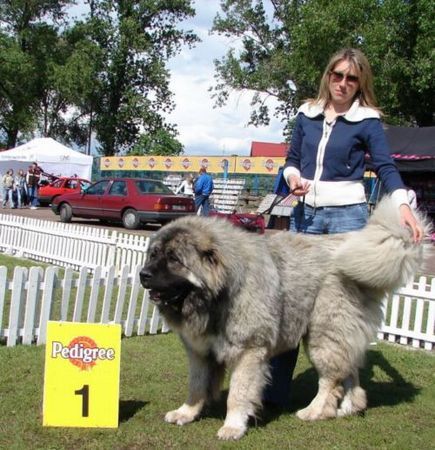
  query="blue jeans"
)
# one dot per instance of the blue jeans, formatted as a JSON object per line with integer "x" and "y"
{"x": 7, "y": 195}
{"x": 33, "y": 195}
{"x": 305, "y": 219}
{"x": 202, "y": 200}
{"x": 328, "y": 219}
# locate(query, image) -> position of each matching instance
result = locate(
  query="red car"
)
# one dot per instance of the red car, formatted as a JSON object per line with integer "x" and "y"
{"x": 133, "y": 201}
{"x": 62, "y": 185}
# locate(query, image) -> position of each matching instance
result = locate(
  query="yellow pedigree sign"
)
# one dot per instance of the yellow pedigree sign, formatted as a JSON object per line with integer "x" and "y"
{"x": 82, "y": 366}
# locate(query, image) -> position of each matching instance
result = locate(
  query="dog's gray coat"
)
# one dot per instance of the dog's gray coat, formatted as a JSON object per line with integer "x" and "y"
{"x": 237, "y": 299}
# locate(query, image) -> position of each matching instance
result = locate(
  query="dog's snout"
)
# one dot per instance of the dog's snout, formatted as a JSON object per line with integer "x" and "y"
{"x": 145, "y": 276}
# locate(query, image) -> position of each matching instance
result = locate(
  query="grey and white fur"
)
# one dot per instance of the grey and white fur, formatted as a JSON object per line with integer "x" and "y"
{"x": 236, "y": 299}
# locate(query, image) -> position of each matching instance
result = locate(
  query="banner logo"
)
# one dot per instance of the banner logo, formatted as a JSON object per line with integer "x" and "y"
{"x": 82, "y": 352}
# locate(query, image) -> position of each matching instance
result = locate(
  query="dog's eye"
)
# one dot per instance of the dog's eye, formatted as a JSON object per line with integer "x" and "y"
{"x": 154, "y": 252}
{"x": 172, "y": 256}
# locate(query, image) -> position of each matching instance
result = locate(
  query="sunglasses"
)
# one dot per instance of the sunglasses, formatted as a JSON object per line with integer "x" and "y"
{"x": 337, "y": 77}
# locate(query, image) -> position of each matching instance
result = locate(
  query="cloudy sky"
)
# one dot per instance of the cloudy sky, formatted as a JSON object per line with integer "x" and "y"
{"x": 204, "y": 130}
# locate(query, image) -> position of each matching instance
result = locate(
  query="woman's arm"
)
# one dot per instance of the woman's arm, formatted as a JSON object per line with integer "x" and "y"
{"x": 388, "y": 173}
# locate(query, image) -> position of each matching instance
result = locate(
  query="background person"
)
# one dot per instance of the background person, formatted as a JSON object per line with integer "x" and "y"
{"x": 203, "y": 188}
{"x": 186, "y": 186}
{"x": 7, "y": 188}
{"x": 22, "y": 189}
{"x": 325, "y": 165}
{"x": 33, "y": 179}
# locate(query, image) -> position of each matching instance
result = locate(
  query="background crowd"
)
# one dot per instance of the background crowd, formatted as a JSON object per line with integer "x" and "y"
{"x": 20, "y": 190}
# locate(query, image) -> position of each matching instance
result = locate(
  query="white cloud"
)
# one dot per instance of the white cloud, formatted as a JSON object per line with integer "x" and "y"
{"x": 203, "y": 128}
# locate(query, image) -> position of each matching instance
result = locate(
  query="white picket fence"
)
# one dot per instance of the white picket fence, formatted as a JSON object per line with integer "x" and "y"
{"x": 33, "y": 297}
{"x": 409, "y": 315}
{"x": 70, "y": 245}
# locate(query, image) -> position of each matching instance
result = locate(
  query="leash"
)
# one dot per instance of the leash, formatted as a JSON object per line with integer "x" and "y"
{"x": 278, "y": 199}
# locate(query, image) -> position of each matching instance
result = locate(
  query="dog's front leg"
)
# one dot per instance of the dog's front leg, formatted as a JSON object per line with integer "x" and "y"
{"x": 199, "y": 374}
{"x": 247, "y": 381}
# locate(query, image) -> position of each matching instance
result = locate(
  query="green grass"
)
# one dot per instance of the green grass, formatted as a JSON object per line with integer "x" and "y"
{"x": 399, "y": 382}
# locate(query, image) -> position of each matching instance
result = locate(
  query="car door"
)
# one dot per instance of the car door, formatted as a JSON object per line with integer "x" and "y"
{"x": 89, "y": 203}
{"x": 116, "y": 199}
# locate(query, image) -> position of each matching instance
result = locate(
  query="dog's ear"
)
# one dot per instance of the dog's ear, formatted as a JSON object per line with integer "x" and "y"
{"x": 207, "y": 251}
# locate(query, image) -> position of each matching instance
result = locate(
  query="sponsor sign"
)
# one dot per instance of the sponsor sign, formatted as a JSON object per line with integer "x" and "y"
{"x": 180, "y": 164}
{"x": 81, "y": 381}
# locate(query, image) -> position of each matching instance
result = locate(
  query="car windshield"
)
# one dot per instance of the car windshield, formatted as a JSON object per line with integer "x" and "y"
{"x": 97, "y": 188}
{"x": 152, "y": 187}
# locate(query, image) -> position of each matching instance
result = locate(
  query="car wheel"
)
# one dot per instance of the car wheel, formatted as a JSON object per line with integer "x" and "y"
{"x": 130, "y": 219}
{"x": 65, "y": 213}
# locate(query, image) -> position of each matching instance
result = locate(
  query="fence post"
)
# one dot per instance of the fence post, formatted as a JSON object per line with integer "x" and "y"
{"x": 47, "y": 302}
{"x": 111, "y": 254}
{"x": 16, "y": 312}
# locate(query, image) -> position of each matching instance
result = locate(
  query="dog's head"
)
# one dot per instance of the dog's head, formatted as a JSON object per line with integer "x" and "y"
{"x": 181, "y": 258}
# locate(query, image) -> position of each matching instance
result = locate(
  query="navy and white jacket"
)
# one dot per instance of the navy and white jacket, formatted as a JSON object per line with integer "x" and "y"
{"x": 331, "y": 156}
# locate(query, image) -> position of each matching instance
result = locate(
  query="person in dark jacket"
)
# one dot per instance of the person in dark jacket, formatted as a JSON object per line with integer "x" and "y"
{"x": 33, "y": 177}
{"x": 325, "y": 167}
{"x": 203, "y": 187}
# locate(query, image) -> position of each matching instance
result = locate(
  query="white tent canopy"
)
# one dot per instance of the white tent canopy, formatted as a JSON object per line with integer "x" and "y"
{"x": 53, "y": 157}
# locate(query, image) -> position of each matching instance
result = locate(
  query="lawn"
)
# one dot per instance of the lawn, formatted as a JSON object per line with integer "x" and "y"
{"x": 399, "y": 381}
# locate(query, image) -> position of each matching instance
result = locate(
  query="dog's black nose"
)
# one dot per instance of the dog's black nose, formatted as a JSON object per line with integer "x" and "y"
{"x": 145, "y": 276}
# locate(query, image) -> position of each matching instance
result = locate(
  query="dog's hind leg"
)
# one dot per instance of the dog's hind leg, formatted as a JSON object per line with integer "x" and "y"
{"x": 355, "y": 399}
{"x": 199, "y": 384}
{"x": 247, "y": 382}
{"x": 324, "y": 404}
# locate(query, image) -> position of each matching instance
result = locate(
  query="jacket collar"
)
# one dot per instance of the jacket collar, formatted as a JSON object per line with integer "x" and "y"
{"x": 356, "y": 113}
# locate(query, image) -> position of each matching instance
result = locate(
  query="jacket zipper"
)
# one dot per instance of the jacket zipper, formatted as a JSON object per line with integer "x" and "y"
{"x": 326, "y": 133}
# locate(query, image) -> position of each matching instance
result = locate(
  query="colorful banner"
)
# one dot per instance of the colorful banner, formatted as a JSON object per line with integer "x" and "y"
{"x": 180, "y": 164}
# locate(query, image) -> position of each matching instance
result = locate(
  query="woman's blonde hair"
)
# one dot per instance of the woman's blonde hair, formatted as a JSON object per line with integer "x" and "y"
{"x": 361, "y": 65}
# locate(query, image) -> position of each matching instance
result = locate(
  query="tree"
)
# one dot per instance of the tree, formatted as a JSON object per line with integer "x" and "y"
{"x": 285, "y": 45}
{"x": 136, "y": 39}
{"x": 25, "y": 27}
{"x": 161, "y": 143}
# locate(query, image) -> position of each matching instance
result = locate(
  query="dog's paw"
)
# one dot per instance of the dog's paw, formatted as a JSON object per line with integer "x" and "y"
{"x": 226, "y": 433}
{"x": 179, "y": 417}
{"x": 311, "y": 413}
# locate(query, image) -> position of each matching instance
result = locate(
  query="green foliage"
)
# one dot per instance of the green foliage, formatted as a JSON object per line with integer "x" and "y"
{"x": 105, "y": 75}
{"x": 285, "y": 46}
{"x": 136, "y": 40}
{"x": 161, "y": 143}
{"x": 29, "y": 49}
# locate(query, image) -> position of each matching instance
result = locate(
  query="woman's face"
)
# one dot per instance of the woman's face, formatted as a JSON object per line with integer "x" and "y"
{"x": 343, "y": 83}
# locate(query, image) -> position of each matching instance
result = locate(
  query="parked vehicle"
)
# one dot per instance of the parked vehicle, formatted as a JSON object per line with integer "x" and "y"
{"x": 60, "y": 186}
{"x": 134, "y": 201}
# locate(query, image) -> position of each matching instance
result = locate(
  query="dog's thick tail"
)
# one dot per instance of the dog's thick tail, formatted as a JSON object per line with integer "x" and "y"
{"x": 383, "y": 254}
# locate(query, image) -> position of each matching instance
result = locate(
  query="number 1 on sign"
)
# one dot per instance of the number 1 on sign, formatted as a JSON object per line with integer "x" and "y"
{"x": 84, "y": 392}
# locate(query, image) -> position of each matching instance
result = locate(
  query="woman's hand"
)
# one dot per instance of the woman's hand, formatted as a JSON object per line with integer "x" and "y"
{"x": 408, "y": 219}
{"x": 297, "y": 187}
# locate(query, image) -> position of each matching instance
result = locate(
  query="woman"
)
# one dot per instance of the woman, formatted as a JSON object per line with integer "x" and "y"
{"x": 22, "y": 189}
{"x": 186, "y": 186}
{"x": 326, "y": 160}
{"x": 8, "y": 188}
{"x": 325, "y": 167}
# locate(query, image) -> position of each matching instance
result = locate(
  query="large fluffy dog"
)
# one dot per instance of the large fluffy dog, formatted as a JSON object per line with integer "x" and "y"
{"x": 237, "y": 299}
